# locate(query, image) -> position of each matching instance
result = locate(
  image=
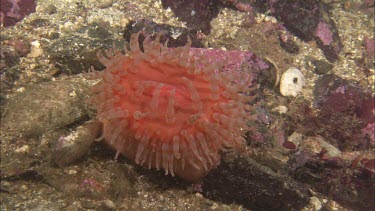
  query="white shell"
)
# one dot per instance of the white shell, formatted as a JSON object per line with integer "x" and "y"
{"x": 291, "y": 82}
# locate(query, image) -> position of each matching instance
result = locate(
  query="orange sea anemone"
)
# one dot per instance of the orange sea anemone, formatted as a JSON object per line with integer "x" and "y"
{"x": 161, "y": 109}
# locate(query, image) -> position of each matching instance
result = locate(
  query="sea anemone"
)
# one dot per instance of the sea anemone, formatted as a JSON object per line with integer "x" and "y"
{"x": 164, "y": 108}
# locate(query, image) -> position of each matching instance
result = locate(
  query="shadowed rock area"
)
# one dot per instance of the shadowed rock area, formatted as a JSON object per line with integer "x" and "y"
{"x": 239, "y": 179}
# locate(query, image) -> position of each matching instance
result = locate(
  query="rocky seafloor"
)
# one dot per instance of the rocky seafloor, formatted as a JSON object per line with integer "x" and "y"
{"x": 312, "y": 146}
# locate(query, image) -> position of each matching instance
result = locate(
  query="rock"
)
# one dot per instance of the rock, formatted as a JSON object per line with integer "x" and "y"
{"x": 316, "y": 202}
{"x": 239, "y": 179}
{"x": 14, "y": 11}
{"x": 288, "y": 44}
{"x": 108, "y": 205}
{"x": 291, "y": 82}
{"x": 39, "y": 22}
{"x": 315, "y": 14}
{"x": 344, "y": 110}
{"x": 237, "y": 62}
{"x": 97, "y": 31}
{"x": 35, "y": 50}
{"x": 77, "y": 53}
{"x": 177, "y": 36}
{"x": 44, "y": 107}
{"x": 316, "y": 144}
{"x": 104, "y": 3}
{"x": 295, "y": 138}
{"x": 280, "y": 109}
{"x": 22, "y": 48}
{"x": 196, "y": 14}
{"x": 50, "y": 9}
{"x": 322, "y": 67}
{"x": 24, "y": 149}
{"x": 72, "y": 147}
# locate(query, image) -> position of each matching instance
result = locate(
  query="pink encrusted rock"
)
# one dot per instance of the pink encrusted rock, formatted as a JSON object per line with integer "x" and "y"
{"x": 369, "y": 131}
{"x": 12, "y": 11}
{"x": 324, "y": 33}
{"x": 234, "y": 62}
{"x": 369, "y": 45}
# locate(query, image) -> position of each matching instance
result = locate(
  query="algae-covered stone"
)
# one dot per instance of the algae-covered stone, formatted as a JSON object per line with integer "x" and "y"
{"x": 44, "y": 107}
